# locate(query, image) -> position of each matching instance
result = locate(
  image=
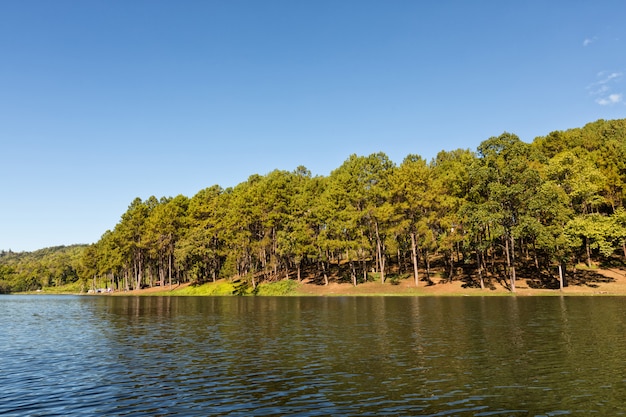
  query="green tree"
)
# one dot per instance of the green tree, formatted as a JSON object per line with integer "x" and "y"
{"x": 163, "y": 229}
{"x": 414, "y": 201}
{"x": 358, "y": 196}
{"x": 577, "y": 176}
{"x": 200, "y": 249}
{"x": 339, "y": 214}
{"x": 450, "y": 188}
{"x": 296, "y": 237}
{"x": 130, "y": 238}
{"x": 506, "y": 180}
{"x": 619, "y": 228}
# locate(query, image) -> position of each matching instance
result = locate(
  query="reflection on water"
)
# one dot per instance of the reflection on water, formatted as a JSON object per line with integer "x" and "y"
{"x": 64, "y": 355}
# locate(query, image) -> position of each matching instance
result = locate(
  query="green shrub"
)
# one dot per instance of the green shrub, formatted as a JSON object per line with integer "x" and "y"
{"x": 284, "y": 287}
{"x": 213, "y": 288}
{"x": 5, "y": 287}
{"x": 76, "y": 287}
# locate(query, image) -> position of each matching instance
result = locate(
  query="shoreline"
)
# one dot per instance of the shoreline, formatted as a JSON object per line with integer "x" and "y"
{"x": 612, "y": 283}
{"x": 603, "y": 282}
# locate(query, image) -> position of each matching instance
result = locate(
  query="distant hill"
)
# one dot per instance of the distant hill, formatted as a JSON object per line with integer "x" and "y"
{"x": 30, "y": 271}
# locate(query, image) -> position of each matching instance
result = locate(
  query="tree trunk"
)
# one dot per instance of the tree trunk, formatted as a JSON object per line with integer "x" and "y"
{"x": 161, "y": 271}
{"x": 364, "y": 266}
{"x": 382, "y": 268}
{"x": 352, "y": 272}
{"x": 169, "y": 269}
{"x": 298, "y": 266}
{"x": 414, "y": 258}
{"x": 321, "y": 260}
{"x": 509, "y": 265}
{"x": 138, "y": 273}
{"x": 513, "y": 274}
{"x": 381, "y": 255}
{"x": 480, "y": 271}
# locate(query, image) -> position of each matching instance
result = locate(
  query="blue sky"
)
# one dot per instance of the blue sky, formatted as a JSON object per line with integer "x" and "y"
{"x": 105, "y": 101}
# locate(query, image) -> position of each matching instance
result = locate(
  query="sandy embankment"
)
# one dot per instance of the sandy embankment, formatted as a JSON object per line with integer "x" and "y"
{"x": 606, "y": 282}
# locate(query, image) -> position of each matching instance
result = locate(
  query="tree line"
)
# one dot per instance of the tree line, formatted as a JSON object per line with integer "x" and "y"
{"x": 57, "y": 266}
{"x": 478, "y": 215}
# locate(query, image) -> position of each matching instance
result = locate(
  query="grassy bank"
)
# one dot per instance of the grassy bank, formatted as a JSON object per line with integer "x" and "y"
{"x": 603, "y": 282}
{"x": 597, "y": 282}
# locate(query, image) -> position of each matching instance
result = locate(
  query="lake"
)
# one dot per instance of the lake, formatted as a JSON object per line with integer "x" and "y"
{"x": 312, "y": 356}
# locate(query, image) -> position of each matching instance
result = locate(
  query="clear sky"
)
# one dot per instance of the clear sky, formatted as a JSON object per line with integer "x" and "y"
{"x": 105, "y": 101}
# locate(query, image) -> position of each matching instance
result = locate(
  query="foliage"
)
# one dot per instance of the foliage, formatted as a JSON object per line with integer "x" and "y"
{"x": 508, "y": 204}
{"x": 77, "y": 287}
{"x": 218, "y": 288}
{"x": 284, "y": 287}
{"x": 30, "y": 271}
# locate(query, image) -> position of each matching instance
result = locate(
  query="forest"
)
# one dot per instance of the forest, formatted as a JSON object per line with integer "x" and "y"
{"x": 484, "y": 216}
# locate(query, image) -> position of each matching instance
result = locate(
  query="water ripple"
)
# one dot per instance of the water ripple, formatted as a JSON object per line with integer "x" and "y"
{"x": 117, "y": 356}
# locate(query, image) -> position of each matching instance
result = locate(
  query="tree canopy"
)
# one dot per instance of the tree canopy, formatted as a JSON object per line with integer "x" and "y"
{"x": 480, "y": 215}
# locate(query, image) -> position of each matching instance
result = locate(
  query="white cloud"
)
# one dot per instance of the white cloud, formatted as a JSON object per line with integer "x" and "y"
{"x": 611, "y": 76}
{"x": 596, "y": 89}
{"x": 603, "y": 88}
{"x": 589, "y": 41}
{"x": 610, "y": 99}
{"x": 604, "y": 78}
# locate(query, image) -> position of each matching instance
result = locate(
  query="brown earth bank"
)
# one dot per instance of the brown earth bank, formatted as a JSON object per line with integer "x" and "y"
{"x": 584, "y": 282}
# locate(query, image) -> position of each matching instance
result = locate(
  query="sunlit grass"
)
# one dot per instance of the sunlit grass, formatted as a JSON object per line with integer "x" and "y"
{"x": 284, "y": 287}
{"x": 223, "y": 288}
{"x": 212, "y": 288}
{"x": 71, "y": 288}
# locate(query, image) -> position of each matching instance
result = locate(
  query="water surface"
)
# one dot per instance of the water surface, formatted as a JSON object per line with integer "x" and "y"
{"x": 131, "y": 356}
